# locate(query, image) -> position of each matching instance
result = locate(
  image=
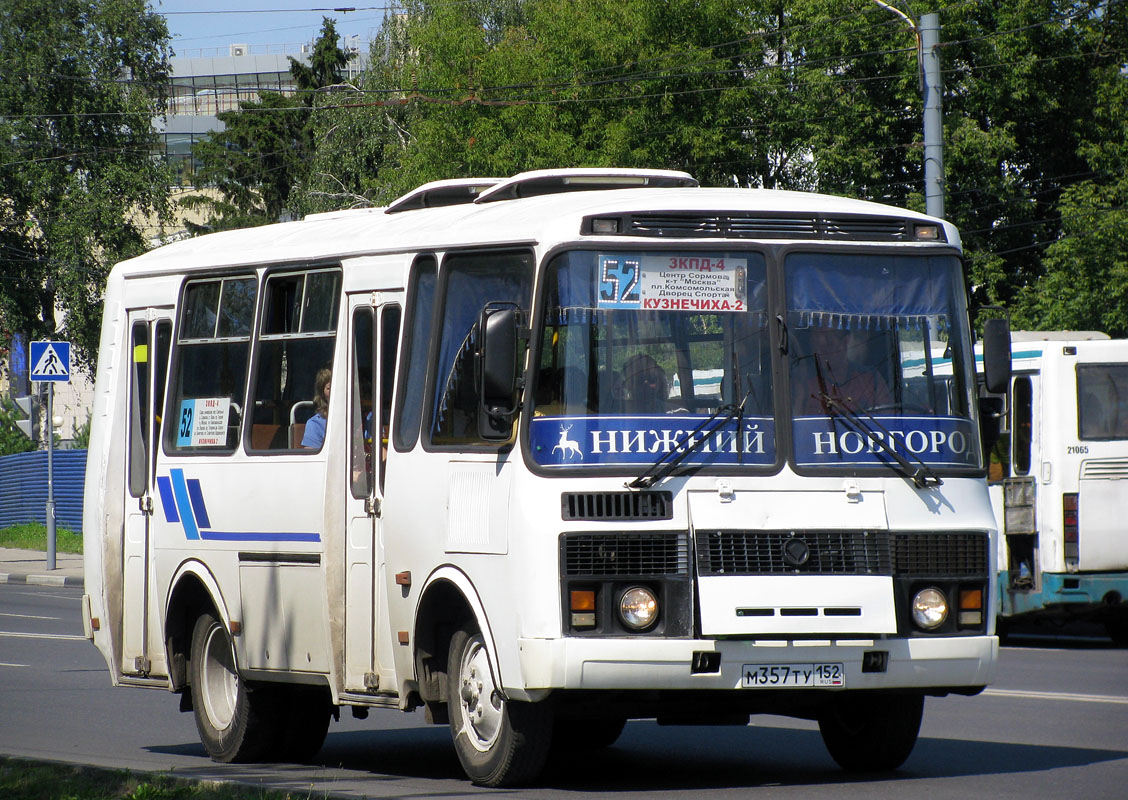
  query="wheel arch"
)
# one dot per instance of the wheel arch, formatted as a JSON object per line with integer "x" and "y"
{"x": 448, "y": 598}
{"x": 193, "y": 590}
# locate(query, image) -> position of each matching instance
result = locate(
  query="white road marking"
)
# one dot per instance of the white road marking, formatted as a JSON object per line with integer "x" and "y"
{"x": 1076, "y": 698}
{"x": 5, "y": 664}
{"x": 58, "y": 636}
{"x": 28, "y": 616}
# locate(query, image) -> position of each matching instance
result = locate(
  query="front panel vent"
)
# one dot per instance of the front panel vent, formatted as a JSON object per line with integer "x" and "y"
{"x": 793, "y": 553}
{"x": 767, "y": 226}
{"x": 625, "y": 554}
{"x": 616, "y": 506}
{"x": 940, "y": 554}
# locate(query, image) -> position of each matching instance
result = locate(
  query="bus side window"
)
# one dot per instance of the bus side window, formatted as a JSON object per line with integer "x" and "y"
{"x": 212, "y": 350}
{"x": 389, "y": 341}
{"x": 469, "y": 282}
{"x": 1022, "y": 427}
{"x": 295, "y": 342}
{"x": 421, "y": 313}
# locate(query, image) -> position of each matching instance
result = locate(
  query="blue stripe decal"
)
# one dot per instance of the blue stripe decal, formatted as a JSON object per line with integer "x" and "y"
{"x": 198, "y": 508}
{"x": 219, "y": 536}
{"x": 180, "y": 489}
{"x": 168, "y": 503}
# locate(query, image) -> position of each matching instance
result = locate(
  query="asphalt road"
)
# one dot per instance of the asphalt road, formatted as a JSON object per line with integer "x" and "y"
{"x": 1055, "y": 724}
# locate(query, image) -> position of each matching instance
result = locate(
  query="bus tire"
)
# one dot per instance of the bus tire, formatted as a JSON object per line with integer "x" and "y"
{"x": 498, "y": 742}
{"x": 233, "y": 719}
{"x": 867, "y": 732}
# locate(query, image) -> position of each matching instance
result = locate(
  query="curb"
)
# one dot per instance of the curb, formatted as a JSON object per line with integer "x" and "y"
{"x": 42, "y": 580}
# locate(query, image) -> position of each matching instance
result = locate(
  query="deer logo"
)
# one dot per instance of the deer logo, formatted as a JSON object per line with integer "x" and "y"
{"x": 567, "y": 446}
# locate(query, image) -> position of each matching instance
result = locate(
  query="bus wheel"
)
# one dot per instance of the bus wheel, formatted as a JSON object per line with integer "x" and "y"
{"x": 499, "y": 742}
{"x": 232, "y": 718}
{"x": 871, "y": 732}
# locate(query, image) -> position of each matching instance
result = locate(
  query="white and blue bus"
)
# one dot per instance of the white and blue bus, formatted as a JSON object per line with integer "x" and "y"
{"x": 1059, "y": 481}
{"x": 542, "y": 455}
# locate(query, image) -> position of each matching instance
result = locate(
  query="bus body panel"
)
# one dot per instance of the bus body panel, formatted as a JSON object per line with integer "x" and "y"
{"x": 322, "y": 580}
{"x": 1040, "y": 574}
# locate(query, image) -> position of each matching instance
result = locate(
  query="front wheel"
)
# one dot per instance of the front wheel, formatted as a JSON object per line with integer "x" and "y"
{"x": 871, "y": 732}
{"x": 233, "y": 719}
{"x": 499, "y": 742}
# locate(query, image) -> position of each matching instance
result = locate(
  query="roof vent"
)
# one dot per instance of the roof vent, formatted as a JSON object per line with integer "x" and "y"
{"x": 553, "y": 181}
{"x": 442, "y": 193}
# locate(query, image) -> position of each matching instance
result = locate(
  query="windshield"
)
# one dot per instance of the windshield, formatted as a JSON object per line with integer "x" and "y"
{"x": 638, "y": 349}
{"x": 883, "y": 338}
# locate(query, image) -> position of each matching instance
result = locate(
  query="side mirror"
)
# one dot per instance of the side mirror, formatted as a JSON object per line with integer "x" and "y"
{"x": 996, "y": 355}
{"x": 498, "y": 380}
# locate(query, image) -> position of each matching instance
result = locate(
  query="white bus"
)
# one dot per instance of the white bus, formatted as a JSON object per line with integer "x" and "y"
{"x": 539, "y": 456}
{"x": 1059, "y": 481}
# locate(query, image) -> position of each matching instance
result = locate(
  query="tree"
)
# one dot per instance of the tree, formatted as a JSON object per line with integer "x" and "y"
{"x": 805, "y": 94}
{"x": 259, "y": 161}
{"x": 81, "y": 85}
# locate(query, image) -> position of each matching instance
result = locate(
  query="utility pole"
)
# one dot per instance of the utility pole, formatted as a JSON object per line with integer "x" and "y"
{"x": 933, "y": 115}
{"x": 927, "y": 31}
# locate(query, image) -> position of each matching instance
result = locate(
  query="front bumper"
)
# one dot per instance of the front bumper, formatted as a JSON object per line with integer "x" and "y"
{"x": 940, "y": 663}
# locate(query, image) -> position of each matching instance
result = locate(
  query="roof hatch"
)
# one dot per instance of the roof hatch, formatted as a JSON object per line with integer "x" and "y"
{"x": 553, "y": 181}
{"x": 442, "y": 193}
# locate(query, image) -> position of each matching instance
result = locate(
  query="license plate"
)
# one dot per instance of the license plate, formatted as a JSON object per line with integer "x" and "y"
{"x": 790, "y": 676}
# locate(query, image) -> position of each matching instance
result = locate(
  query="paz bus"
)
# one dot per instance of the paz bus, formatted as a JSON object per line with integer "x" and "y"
{"x": 1059, "y": 481}
{"x": 595, "y": 445}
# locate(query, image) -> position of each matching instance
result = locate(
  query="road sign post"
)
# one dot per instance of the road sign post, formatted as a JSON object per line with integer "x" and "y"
{"x": 50, "y": 362}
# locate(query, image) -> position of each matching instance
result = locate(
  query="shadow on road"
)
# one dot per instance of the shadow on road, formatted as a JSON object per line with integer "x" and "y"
{"x": 649, "y": 757}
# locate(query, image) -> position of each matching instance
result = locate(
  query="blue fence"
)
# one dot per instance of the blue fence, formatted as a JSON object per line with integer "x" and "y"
{"x": 23, "y": 488}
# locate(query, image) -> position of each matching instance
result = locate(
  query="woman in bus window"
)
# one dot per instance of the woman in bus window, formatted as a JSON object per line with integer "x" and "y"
{"x": 314, "y": 434}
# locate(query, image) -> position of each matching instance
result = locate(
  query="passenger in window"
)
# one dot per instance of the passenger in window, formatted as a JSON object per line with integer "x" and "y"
{"x": 645, "y": 387}
{"x": 839, "y": 365}
{"x": 314, "y": 434}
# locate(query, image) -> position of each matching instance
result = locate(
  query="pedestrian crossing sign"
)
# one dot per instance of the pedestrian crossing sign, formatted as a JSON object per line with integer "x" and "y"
{"x": 50, "y": 361}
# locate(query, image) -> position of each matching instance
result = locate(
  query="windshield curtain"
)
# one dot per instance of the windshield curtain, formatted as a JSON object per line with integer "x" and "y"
{"x": 638, "y": 349}
{"x": 879, "y": 349}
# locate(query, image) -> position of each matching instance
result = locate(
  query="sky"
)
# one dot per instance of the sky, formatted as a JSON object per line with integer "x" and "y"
{"x": 213, "y": 25}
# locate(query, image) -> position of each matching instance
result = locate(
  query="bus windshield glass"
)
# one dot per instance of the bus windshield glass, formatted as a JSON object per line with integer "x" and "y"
{"x": 878, "y": 358}
{"x": 640, "y": 348}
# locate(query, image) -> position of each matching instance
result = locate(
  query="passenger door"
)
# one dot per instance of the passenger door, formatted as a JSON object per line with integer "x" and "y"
{"x": 150, "y": 337}
{"x": 374, "y": 335}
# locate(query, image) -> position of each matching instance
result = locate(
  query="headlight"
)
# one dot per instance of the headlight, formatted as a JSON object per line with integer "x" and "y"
{"x": 930, "y": 608}
{"x": 638, "y": 608}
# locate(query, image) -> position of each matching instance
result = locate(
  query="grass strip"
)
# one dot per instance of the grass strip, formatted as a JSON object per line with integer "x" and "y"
{"x": 33, "y": 536}
{"x": 38, "y": 780}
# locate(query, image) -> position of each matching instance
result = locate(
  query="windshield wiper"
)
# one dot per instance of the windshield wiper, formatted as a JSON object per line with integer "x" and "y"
{"x": 922, "y": 476}
{"x": 664, "y": 464}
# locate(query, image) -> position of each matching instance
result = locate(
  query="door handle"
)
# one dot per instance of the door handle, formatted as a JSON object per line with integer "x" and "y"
{"x": 373, "y": 507}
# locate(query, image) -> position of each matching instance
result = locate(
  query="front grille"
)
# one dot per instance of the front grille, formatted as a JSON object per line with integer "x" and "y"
{"x": 769, "y": 226}
{"x": 615, "y": 506}
{"x": 763, "y": 553}
{"x": 626, "y": 554}
{"x": 850, "y": 552}
{"x": 940, "y": 554}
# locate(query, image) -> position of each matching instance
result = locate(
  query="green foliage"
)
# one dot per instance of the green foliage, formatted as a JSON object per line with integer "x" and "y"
{"x": 33, "y": 536}
{"x": 30, "y": 780}
{"x": 82, "y": 432}
{"x": 810, "y": 94}
{"x": 261, "y": 158}
{"x": 12, "y": 439}
{"x": 81, "y": 86}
